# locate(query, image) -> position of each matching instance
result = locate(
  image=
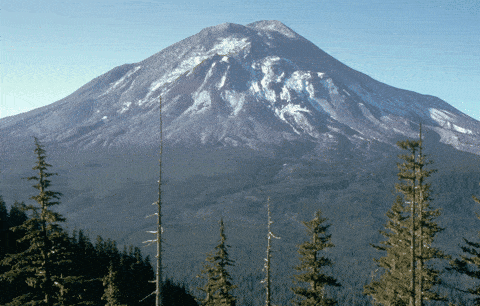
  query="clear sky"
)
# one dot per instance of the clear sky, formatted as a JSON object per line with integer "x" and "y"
{"x": 48, "y": 49}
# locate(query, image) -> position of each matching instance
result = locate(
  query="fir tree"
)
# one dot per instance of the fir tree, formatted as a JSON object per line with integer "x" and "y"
{"x": 16, "y": 217}
{"x": 469, "y": 264}
{"x": 112, "y": 294}
{"x": 41, "y": 262}
{"x": 13, "y": 287}
{"x": 312, "y": 263}
{"x": 219, "y": 282}
{"x": 407, "y": 279}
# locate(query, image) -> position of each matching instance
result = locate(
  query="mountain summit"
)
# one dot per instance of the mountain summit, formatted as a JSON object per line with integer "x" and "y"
{"x": 256, "y": 85}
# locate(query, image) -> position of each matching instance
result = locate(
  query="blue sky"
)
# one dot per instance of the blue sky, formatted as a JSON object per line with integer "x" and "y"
{"x": 48, "y": 49}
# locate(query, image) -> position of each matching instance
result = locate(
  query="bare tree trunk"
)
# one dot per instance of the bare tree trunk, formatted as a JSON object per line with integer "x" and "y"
{"x": 267, "y": 280}
{"x": 420, "y": 207}
{"x": 412, "y": 241}
{"x": 159, "y": 276}
{"x": 267, "y": 261}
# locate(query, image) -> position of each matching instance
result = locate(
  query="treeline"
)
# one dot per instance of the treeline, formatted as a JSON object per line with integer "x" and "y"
{"x": 43, "y": 265}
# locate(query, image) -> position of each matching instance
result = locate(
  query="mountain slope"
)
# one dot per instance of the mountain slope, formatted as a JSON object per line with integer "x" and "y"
{"x": 255, "y": 85}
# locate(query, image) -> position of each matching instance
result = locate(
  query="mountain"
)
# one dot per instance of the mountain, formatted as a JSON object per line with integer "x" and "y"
{"x": 237, "y": 85}
{"x": 248, "y": 112}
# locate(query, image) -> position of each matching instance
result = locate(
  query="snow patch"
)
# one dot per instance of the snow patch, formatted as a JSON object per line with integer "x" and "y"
{"x": 125, "y": 107}
{"x": 121, "y": 83}
{"x": 255, "y": 87}
{"x": 285, "y": 94}
{"x": 440, "y": 116}
{"x": 444, "y": 118}
{"x": 461, "y": 130}
{"x": 300, "y": 81}
{"x": 203, "y": 101}
{"x": 222, "y": 81}
{"x": 230, "y": 45}
{"x": 297, "y": 112}
{"x": 236, "y": 100}
{"x": 227, "y": 46}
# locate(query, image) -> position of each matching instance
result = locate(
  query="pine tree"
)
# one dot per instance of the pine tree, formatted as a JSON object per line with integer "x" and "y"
{"x": 469, "y": 264}
{"x": 219, "y": 282}
{"x": 312, "y": 264}
{"x": 41, "y": 263}
{"x": 407, "y": 279}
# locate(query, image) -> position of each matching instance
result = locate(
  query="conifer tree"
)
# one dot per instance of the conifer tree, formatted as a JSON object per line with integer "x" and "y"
{"x": 41, "y": 262}
{"x": 112, "y": 294}
{"x": 16, "y": 217}
{"x": 470, "y": 264}
{"x": 407, "y": 279}
{"x": 4, "y": 228}
{"x": 312, "y": 263}
{"x": 219, "y": 282}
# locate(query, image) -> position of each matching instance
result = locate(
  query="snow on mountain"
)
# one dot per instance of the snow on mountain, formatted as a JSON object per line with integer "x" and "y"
{"x": 253, "y": 85}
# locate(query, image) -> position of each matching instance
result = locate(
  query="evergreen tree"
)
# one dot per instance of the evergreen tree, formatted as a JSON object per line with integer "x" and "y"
{"x": 16, "y": 217}
{"x": 312, "y": 263}
{"x": 469, "y": 264}
{"x": 14, "y": 287}
{"x": 176, "y": 294}
{"x": 406, "y": 279}
{"x": 219, "y": 282}
{"x": 41, "y": 262}
{"x": 112, "y": 294}
{"x": 4, "y": 228}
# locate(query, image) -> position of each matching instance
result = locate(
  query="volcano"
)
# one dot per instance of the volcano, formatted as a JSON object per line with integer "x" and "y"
{"x": 256, "y": 85}
{"x": 248, "y": 112}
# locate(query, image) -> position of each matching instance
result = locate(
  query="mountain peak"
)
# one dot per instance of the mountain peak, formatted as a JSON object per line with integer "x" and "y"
{"x": 273, "y": 25}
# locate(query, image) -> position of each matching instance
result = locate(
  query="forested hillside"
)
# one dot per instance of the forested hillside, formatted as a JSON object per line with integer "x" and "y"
{"x": 44, "y": 264}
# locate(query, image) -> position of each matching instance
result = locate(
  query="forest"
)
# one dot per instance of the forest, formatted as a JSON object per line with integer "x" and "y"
{"x": 42, "y": 263}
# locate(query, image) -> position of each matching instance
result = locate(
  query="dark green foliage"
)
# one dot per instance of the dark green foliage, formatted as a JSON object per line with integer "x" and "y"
{"x": 4, "y": 228}
{"x": 10, "y": 245}
{"x": 219, "y": 282}
{"x": 406, "y": 277}
{"x": 47, "y": 267}
{"x": 40, "y": 265}
{"x": 83, "y": 276}
{"x": 176, "y": 295}
{"x": 312, "y": 264}
{"x": 113, "y": 294}
{"x": 16, "y": 217}
{"x": 469, "y": 264}
{"x": 393, "y": 287}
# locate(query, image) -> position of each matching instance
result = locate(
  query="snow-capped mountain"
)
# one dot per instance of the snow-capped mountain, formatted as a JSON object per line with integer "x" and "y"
{"x": 255, "y": 85}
